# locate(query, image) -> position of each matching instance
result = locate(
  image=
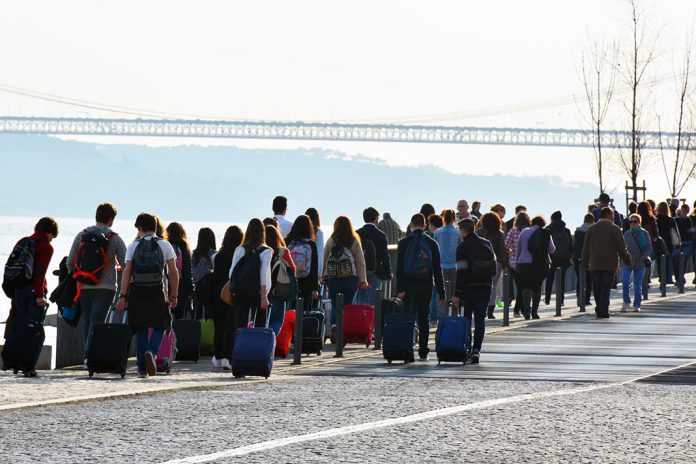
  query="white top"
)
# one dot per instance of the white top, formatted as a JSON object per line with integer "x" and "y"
{"x": 283, "y": 224}
{"x": 265, "y": 258}
{"x": 167, "y": 252}
{"x": 320, "y": 248}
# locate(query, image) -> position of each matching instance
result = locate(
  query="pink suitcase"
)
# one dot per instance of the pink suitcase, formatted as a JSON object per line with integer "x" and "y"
{"x": 358, "y": 324}
{"x": 167, "y": 351}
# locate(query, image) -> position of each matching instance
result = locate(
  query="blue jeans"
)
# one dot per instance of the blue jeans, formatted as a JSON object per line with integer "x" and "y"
{"x": 346, "y": 285}
{"x": 25, "y": 304}
{"x": 277, "y": 314}
{"x": 638, "y": 275}
{"x": 143, "y": 344}
{"x": 475, "y": 302}
{"x": 370, "y": 295}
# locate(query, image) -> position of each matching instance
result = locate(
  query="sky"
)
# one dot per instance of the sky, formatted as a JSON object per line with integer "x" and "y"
{"x": 358, "y": 61}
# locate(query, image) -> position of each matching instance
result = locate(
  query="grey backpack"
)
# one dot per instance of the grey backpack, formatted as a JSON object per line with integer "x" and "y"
{"x": 148, "y": 263}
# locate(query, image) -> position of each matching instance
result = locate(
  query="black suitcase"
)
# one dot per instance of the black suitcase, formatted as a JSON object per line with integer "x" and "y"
{"x": 188, "y": 339}
{"x": 110, "y": 346}
{"x": 391, "y": 307}
{"x": 313, "y": 332}
{"x": 23, "y": 346}
{"x": 398, "y": 337}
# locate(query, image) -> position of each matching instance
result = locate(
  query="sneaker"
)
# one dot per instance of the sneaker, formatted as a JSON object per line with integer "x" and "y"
{"x": 636, "y": 309}
{"x": 475, "y": 357}
{"x": 625, "y": 306}
{"x": 150, "y": 364}
{"x": 225, "y": 364}
{"x": 216, "y": 362}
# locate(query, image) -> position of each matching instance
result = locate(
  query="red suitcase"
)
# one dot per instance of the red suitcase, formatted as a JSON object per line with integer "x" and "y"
{"x": 285, "y": 335}
{"x": 358, "y": 324}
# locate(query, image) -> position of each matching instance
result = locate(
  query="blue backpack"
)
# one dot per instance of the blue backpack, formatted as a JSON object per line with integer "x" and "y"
{"x": 418, "y": 262}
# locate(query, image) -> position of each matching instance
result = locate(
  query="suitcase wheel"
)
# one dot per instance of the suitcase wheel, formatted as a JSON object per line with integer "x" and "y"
{"x": 123, "y": 375}
{"x": 91, "y": 374}
{"x": 169, "y": 368}
{"x": 319, "y": 353}
{"x": 16, "y": 371}
{"x": 439, "y": 362}
{"x": 389, "y": 361}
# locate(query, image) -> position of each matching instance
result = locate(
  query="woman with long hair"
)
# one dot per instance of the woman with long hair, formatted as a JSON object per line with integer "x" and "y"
{"x": 534, "y": 246}
{"x": 303, "y": 248}
{"x": 492, "y": 230}
{"x": 522, "y": 221}
{"x": 176, "y": 235}
{"x": 223, "y": 314}
{"x": 669, "y": 232}
{"x": 247, "y": 301}
{"x": 281, "y": 258}
{"x": 344, "y": 263}
{"x": 202, "y": 267}
{"x": 313, "y": 214}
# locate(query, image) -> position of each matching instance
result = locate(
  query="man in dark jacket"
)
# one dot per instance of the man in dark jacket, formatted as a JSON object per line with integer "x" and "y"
{"x": 561, "y": 258}
{"x": 417, "y": 265}
{"x": 603, "y": 242}
{"x": 374, "y": 245}
{"x": 473, "y": 289}
{"x": 578, "y": 241}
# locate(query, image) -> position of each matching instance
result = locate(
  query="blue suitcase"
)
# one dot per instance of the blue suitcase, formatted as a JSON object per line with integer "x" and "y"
{"x": 253, "y": 351}
{"x": 452, "y": 339}
{"x": 398, "y": 337}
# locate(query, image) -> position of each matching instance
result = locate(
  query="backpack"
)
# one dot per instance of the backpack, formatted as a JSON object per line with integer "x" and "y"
{"x": 564, "y": 246}
{"x": 418, "y": 262}
{"x": 148, "y": 263}
{"x": 370, "y": 254}
{"x": 301, "y": 253}
{"x": 481, "y": 261}
{"x": 246, "y": 275}
{"x": 538, "y": 248}
{"x": 91, "y": 258}
{"x": 340, "y": 263}
{"x": 283, "y": 282}
{"x": 19, "y": 269}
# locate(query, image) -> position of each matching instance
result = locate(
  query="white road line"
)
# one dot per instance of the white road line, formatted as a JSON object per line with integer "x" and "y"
{"x": 436, "y": 413}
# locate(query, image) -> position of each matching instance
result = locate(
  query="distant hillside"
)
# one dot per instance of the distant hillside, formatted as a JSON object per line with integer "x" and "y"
{"x": 44, "y": 175}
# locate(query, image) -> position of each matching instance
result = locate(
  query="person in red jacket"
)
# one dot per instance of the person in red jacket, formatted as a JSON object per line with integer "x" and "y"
{"x": 30, "y": 301}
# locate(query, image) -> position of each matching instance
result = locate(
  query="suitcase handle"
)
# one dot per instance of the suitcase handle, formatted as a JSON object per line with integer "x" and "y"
{"x": 268, "y": 317}
{"x": 110, "y": 316}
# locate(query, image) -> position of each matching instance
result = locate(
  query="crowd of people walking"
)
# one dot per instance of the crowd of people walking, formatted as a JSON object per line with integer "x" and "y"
{"x": 443, "y": 261}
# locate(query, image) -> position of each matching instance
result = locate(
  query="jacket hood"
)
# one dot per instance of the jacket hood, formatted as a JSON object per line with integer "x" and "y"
{"x": 557, "y": 224}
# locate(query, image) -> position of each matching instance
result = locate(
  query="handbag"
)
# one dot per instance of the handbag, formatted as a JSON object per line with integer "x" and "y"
{"x": 674, "y": 235}
{"x": 647, "y": 262}
{"x": 226, "y": 294}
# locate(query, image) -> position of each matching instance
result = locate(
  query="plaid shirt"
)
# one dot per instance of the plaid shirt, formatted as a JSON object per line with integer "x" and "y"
{"x": 511, "y": 244}
{"x": 391, "y": 229}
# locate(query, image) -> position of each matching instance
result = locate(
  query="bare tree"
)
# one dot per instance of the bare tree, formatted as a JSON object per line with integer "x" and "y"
{"x": 682, "y": 166}
{"x": 598, "y": 78}
{"x": 633, "y": 72}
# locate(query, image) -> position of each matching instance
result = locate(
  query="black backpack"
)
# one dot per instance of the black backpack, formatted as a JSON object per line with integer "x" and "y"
{"x": 91, "y": 258}
{"x": 19, "y": 269}
{"x": 564, "y": 246}
{"x": 538, "y": 246}
{"x": 370, "y": 256}
{"x": 246, "y": 275}
{"x": 148, "y": 263}
{"x": 481, "y": 262}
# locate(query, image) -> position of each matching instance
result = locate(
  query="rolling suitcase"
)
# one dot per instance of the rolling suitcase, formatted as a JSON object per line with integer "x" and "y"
{"x": 398, "y": 337}
{"x": 188, "y": 341}
{"x": 166, "y": 352}
{"x": 207, "y": 335}
{"x": 313, "y": 332}
{"x": 452, "y": 339}
{"x": 253, "y": 350}
{"x": 390, "y": 307}
{"x": 108, "y": 351}
{"x": 358, "y": 324}
{"x": 285, "y": 335}
{"x": 23, "y": 346}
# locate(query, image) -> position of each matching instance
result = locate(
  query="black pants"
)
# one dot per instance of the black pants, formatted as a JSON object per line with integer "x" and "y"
{"x": 224, "y": 319}
{"x": 551, "y": 276}
{"x": 418, "y": 302}
{"x": 531, "y": 277}
{"x": 515, "y": 283}
{"x": 601, "y": 286}
{"x": 588, "y": 282}
{"x": 245, "y": 308}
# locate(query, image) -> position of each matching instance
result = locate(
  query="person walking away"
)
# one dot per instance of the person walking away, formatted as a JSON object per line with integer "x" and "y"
{"x": 313, "y": 214}
{"x": 223, "y": 314}
{"x": 561, "y": 258}
{"x": 426, "y": 210}
{"x": 377, "y": 264}
{"x": 669, "y": 232}
{"x": 509, "y": 225}
{"x": 303, "y": 248}
{"x": 95, "y": 257}
{"x": 149, "y": 289}
{"x": 176, "y": 236}
{"x": 476, "y": 267}
{"x": 491, "y": 230}
{"x": 637, "y": 242}
{"x": 391, "y": 229}
{"x": 603, "y": 243}
{"x": 202, "y": 260}
{"x": 685, "y": 228}
{"x": 476, "y": 209}
{"x": 417, "y": 267}
{"x": 250, "y": 276}
{"x": 533, "y": 248}
{"x": 344, "y": 265}
{"x": 578, "y": 241}
{"x": 605, "y": 201}
{"x": 632, "y": 208}
{"x": 448, "y": 239}
{"x": 434, "y": 222}
{"x": 283, "y": 281}
{"x": 522, "y": 221}
{"x": 500, "y": 211}
{"x": 280, "y": 209}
